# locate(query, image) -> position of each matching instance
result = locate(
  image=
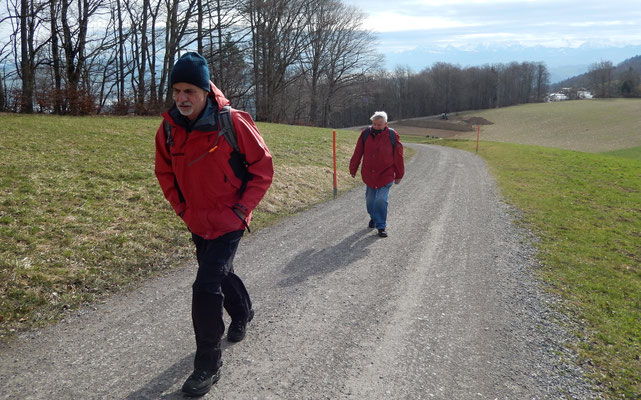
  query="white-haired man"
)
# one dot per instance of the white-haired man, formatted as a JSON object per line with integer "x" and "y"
{"x": 382, "y": 153}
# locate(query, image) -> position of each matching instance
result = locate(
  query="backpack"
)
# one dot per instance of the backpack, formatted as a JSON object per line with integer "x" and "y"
{"x": 237, "y": 160}
{"x": 392, "y": 136}
{"x": 223, "y": 117}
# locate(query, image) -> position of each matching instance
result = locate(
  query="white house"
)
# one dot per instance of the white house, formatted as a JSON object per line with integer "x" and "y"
{"x": 557, "y": 97}
{"x": 584, "y": 94}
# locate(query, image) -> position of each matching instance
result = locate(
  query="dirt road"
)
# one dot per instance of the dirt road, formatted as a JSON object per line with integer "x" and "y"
{"x": 444, "y": 308}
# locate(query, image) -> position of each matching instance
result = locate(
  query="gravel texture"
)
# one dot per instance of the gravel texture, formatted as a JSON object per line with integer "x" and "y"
{"x": 446, "y": 307}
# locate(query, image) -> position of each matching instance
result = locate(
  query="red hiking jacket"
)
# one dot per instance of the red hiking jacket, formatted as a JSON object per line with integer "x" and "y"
{"x": 382, "y": 163}
{"x": 200, "y": 184}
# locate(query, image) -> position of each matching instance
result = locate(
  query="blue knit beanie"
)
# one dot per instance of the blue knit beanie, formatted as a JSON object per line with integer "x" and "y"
{"x": 191, "y": 68}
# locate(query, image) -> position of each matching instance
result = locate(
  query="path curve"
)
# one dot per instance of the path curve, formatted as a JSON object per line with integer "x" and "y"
{"x": 444, "y": 308}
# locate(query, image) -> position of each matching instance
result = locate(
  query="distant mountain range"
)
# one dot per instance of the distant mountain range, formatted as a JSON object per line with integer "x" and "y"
{"x": 562, "y": 63}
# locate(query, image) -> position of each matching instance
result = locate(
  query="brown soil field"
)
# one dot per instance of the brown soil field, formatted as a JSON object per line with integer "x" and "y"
{"x": 454, "y": 127}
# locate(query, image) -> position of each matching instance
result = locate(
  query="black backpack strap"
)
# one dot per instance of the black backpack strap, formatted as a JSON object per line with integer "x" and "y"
{"x": 366, "y": 134}
{"x": 237, "y": 160}
{"x": 167, "y": 127}
{"x": 227, "y": 127}
{"x": 392, "y": 136}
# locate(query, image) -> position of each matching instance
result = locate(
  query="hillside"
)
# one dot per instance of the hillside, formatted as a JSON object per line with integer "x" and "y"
{"x": 583, "y": 80}
{"x": 585, "y": 125}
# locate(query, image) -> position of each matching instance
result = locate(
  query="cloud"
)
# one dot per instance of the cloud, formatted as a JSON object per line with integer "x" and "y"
{"x": 591, "y": 24}
{"x": 397, "y": 22}
{"x": 570, "y": 20}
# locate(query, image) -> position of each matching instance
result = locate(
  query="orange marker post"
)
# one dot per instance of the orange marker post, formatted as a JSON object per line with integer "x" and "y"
{"x": 334, "y": 156}
{"x": 478, "y": 133}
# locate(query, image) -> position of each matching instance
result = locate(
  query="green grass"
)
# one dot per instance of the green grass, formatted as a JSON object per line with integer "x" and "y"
{"x": 584, "y": 125}
{"x": 632, "y": 153}
{"x": 81, "y": 212}
{"x": 586, "y": 211}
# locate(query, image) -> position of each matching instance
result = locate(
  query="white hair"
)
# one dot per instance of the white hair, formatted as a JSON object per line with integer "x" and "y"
{"x": 379, "y": 115}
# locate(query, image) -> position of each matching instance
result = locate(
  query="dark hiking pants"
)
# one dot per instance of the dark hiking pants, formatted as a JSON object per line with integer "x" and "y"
{"x": 216, "y": 286}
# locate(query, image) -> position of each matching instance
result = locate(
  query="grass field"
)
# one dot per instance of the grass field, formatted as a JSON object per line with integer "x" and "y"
{"x": 591, "y": 126}
{"x": 81, "y": 212}
{"x": 586, "y": 210}
{"x": 633, "y": 153}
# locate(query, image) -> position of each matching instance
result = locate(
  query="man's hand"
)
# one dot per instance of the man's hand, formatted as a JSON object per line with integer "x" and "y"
{"x": 397, "y": 181}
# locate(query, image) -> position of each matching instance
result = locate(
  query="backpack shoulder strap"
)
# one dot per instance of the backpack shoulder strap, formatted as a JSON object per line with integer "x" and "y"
{"x": 366, "y": 134}
{"x": 167, "y": 127}
{"x": 227, "y": 127}
{"x": 392, "y": 137}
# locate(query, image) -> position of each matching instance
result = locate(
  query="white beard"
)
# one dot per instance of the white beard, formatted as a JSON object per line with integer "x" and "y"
{"x": 188, "y": 112}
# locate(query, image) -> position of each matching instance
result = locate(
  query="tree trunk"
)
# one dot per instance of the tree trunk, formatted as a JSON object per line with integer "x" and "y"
{"x": 121, "y": 57}
{"x": 142, "y": 63}
{"x": 199, "y": 34}
{"x": 220, "y": 75}
{"x": 26, "y": 64}
{"x": 3, "y": 102}
{"x": 55, "y": 57}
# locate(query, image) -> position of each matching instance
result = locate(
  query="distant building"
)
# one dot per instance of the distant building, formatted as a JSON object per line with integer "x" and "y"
{"x": 569, "y": 94}
{"x": 556, "y": 97}
{"x": 584, "y": 94}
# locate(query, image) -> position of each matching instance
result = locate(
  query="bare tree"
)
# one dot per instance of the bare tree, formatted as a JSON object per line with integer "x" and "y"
{"x": 314, "y": 58}
{"x": 542, "y": 81}
{"x": 351, "y": 57}
{"x": 54, "y": 8}
{"x": 225, "y": 49}
{"x": 401, "y": 92}
{"x": 154, "y": 101}
{"x": 2, "y": 94}
{"x": 278, "y": 39}
{"x": 29, "y": 20}
{"x": 446, "y": 84}
{"x": 138, "y": 44}
{"x": 179, "y": 14}
{"x": 601, "y": 78}
{"x": 231, "y": 72}
{"x": 74, "y": 20}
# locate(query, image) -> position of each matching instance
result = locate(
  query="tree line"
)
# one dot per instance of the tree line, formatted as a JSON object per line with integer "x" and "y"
{"x": 605, "y": 80}
{"x": 310, "y": 62}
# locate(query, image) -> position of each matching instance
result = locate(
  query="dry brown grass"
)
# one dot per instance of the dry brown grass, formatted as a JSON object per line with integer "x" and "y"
{"x": 591, "y": 126}
{"x": 584, "y": 125}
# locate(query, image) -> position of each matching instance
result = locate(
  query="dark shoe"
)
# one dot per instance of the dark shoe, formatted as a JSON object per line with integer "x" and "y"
{"x": 238, "y": 328}
{"x": 200, "y": 382}
{"x": 371, "y": 224}
{"x": 382, "y": 233}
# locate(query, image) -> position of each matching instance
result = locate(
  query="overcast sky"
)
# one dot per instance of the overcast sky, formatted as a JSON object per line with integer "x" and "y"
{"x": 497, "y": 28}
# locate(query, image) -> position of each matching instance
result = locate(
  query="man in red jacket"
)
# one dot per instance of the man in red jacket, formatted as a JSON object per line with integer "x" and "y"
{"x": 214, "y": 189}
{"x": 382, "y": 153}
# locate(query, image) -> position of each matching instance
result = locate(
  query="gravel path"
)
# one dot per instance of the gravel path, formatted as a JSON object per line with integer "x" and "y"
{"x": 444, "y": 308}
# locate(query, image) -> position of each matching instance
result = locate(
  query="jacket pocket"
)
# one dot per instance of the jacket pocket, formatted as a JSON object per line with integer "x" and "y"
{"x": 225, "y": 220}
{"x": 196, "y": 221}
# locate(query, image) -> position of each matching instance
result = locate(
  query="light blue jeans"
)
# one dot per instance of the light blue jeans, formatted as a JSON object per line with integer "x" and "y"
{"x": 376, "y": 202}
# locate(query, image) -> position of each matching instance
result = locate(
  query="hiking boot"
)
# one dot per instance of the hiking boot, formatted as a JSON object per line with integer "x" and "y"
{"x": 238, "y": 328}
{"x": 371, "y": 224}
{"x": 200, "y": 382}
{"x": 382, "y": 233}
